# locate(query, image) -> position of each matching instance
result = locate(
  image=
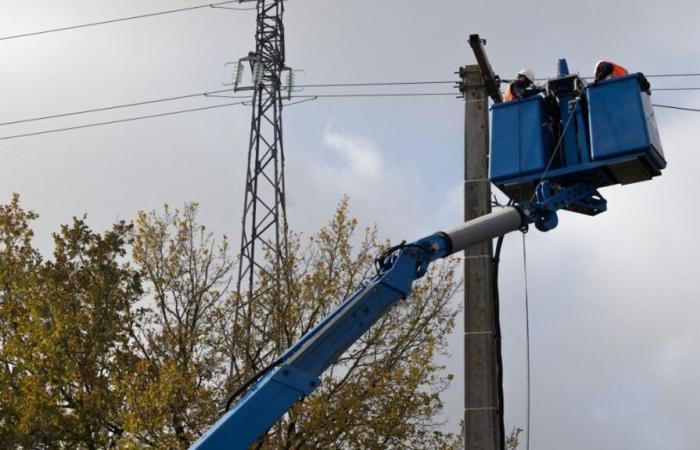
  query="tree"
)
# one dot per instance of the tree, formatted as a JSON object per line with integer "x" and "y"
{"x": 18, "y": 264}
{"x": 513, "y": 439}
{"x": 384, "y": 392}
{"x": 68, "y": 332}
{"x": 134, "y": 338}
{"x": 175, "y": 342}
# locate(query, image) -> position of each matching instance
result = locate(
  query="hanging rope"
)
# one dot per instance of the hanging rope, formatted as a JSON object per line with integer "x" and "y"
{"x": 527, "y": 348}
{"x": 558, "y": 147}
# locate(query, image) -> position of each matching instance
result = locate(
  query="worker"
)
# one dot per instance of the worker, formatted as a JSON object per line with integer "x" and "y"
{"x": 606, "y": 70}
{"x": 522, "y": 87}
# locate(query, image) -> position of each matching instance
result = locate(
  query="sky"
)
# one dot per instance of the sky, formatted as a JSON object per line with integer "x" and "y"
{"x": 613, "y": 299}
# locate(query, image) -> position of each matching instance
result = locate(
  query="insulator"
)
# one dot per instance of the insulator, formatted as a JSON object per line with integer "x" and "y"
{"x": 290, "y": 84}
{"x": 257, "y": 73}
{"x": 238, "y": 75}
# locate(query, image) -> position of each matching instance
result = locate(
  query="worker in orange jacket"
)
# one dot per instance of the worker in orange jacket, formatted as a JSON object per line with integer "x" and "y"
{"x": 522, "y": 87}
{"x": 606, "y": 70}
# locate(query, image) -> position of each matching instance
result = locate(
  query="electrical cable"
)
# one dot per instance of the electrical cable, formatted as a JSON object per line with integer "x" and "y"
{"x": 558, "y": 146}
{"x": 213, "y": 94}
{"x": 121, "y": 19}
{"x": 659, "y": 75}
{"x": 378, "y": 83}
{"x": 495, "y": 265}
{"x": 110, "y": 122}
{"x": 677, "y": 89}
{"x": 682, "y": 108}
{"x": 378, "y": 94}
{"x": 233, "y": 9}
{"x": 242, "y": 388}
{"x": 671, "y": 75}
{"x": 125, "y": 105}
{"x": 527, "y": 347}
{"x": 301, "y": 101}
{"x": 381, "y": 261}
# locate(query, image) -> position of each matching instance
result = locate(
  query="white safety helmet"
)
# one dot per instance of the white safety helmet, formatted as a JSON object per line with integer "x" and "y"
{"x": 529, "y": 74}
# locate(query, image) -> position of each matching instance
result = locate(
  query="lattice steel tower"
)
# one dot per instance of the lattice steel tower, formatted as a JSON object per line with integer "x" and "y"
{"x": 264, "y": 218}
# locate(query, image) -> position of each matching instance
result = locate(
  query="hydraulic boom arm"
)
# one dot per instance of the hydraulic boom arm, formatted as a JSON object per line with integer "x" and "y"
{"x": 296, "y": 373}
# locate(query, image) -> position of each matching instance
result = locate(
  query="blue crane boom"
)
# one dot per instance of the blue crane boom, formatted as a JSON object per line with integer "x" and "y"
{"x": 296, "y": 373}
{"x": 606, "y": 134}
{"x": 299, "y": 368}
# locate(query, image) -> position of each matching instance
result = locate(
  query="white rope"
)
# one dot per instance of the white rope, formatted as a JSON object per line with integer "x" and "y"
{"x": 527, "y": 346}
{"x": 556, "y": 149}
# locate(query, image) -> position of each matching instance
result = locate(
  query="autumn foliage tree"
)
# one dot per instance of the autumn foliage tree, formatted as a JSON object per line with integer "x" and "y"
{"x": 65, "y": 334}
{"x": 135, "y": 337}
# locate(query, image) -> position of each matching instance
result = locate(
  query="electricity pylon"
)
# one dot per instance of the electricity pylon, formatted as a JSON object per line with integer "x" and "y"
{"x": 264, "y": 209}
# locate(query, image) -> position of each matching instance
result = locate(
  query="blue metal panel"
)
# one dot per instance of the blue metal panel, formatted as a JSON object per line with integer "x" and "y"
{"x": 520, "y": 140}
{"x": 569, "y": 108}
{"x": 606, "y": 135}
{"x": 618, "y": 120}
{"x": 254, "y": 414}
{"x": 332, "y": 337}
{"x": 654, "y": 137}
{"x": 582, "y": 134}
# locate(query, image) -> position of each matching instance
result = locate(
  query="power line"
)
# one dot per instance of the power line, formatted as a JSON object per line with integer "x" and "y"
{"x": 110, "y": 122}
{"x": 320, "y": 85}
{"x": 303, "y": 99}
{"x": 123, "y": 19}
{"x": 213, "y": 94}
{"x": 326, "y": 85}
{"x": 234, "y": 9}
{"x": 669, "y": 75}
{"x": 678, "y": 89}
{"x": 401, "y": 83}
{"x": 378, "y": 83}
{"x": 676, "y": 107}
{"x": 660, "y": 75}
{"x": 380, "y": 94}
{"x": 124, "y": 105}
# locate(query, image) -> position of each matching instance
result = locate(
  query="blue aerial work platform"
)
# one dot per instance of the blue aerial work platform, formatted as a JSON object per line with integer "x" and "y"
{"x": 602, "y": 135}
{"x": 548, "y": 152}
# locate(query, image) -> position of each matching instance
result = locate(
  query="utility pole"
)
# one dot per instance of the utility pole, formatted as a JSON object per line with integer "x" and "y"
{"x": 483, "y": 408}
{"x": 264, "y": 210}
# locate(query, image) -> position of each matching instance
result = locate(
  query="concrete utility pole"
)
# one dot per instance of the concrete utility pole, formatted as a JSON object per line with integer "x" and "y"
{"x": 482, "y": 408}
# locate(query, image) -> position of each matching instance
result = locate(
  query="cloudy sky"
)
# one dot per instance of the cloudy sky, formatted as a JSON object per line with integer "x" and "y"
{"x": 613, "y": 299}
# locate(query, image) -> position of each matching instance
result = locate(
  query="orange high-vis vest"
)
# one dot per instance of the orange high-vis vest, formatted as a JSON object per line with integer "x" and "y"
{"x": 508, "y": 95}
{"x": 618, "y": 70}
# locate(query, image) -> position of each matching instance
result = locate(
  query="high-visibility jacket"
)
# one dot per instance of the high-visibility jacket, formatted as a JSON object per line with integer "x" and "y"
{"x": 508, "y": 94}
{"x": 606, "y": 70}
{"x": 519, "y": 89}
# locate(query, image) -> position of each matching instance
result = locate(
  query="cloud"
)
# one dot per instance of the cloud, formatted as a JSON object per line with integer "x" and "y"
{"x": 359, "y": 153}
{"x": 387, "y": 193}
